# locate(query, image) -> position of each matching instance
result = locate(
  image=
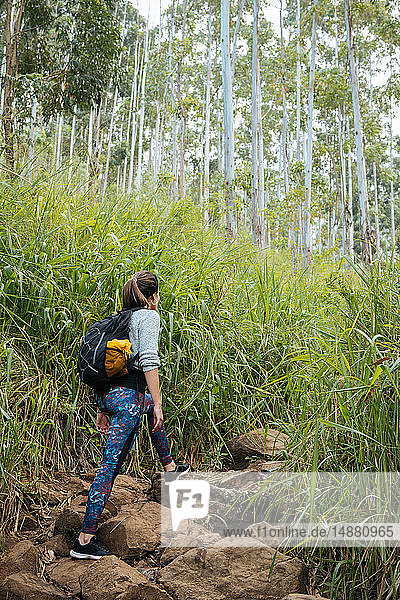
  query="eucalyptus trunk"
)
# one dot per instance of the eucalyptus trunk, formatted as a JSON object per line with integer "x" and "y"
{"x": 133, "y": 126}
{"x": 230, "y": 225}
{"x": 255, "y": 191}
{"x": 206, "y": 195}
{"x": 130, "y": 110}
{"x": 284, "y": 107}
{"x": 94, "y": 162}
{"x": 374, "y": 174}
{"x": 350, "y": 191}
{"x": 71, "y": 144}
{"x": 172, "y": 93}
{"x": 32, "y": 136}
{"x": 376, "y": 206}
{"x": 60, "y": 124}
{"x": 307, "y": 246}
{"x": 359, "y": 137}
{"x": 298, "y": 114}
{"x": 109, "y": 141}
{"x": 392, "y": 221}
{"x": 13, "y": 20}
{"x": 235, "y": 37}
{"x": 3, "y": 74}
{"x": 346, "y": 214}
{"x": 142, "y": 106}
{"x": 260, "y": 140}
{"x": 90, "y": 142}
{"x": 182, "y": 182}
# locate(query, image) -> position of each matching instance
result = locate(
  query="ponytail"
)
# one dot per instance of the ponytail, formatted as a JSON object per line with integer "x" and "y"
{"x": 136, "y": 291}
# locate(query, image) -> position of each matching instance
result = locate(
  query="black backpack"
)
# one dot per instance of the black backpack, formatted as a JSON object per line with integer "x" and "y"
{"x": 105, "y": 353}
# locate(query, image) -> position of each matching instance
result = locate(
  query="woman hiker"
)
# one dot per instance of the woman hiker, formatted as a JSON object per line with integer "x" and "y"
{"x": 121, "y": 407}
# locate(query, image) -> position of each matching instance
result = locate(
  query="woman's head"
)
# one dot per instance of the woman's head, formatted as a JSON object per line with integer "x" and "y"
{"x": 140, "y": 290}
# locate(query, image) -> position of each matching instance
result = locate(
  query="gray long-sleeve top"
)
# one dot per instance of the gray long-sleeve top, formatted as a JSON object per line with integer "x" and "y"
{"x": 144, "y": 330}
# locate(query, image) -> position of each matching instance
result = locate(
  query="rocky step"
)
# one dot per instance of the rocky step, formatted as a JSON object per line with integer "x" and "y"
{"x": 143, "y": 569}
{"x": 265, "y": 443}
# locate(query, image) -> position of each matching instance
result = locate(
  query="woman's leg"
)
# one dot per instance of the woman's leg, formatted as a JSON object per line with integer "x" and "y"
{"x": 159, "y": 438}
{"x": 125, "y": 407}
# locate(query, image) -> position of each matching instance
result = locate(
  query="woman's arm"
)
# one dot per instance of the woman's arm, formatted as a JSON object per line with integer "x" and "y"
{"x": 154, "y": 389}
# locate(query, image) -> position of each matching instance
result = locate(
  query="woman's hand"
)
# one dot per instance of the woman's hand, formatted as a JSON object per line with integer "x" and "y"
{"x": 158, "y": 418}
{"x": 154, "y": 389}
{"x": 102, "y": 422}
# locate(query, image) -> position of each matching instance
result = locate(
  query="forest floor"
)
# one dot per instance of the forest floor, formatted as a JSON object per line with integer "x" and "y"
{"x": 37, "y": 565}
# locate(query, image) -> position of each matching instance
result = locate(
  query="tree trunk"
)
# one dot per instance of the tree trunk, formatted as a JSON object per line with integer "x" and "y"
{"x": 298, "y": 115}
{"x": 230, "y": 225}
{"x": 59, "y": 141}
{"x": 392, "y": 222}
{"x": 358, "y": 132}
{"x": 206, "y": 197}
{"x": 377, "y": 228}
{"x": 172, "y": 92}
{"x": 134, "y": 125}
{"x": 90, "y": 143}
{"x": 284, "y": 107}
{"x": 350, "y": 192}
{"x": 141, "y": 117}
{"x": 94, "y": 168}
{"x": 307, "y": 247}
{"x": 376, "y": 206}
{"x": 12, "y": 34}
{"x": 130, "y": 110}
{"x": 255, "y": 192}
{"x": 71, "y": 145}
{"x": 109, "y": 142}
{"x": 182, "y": 183}
{"x": 235, "y": 36}
{"x": 261, "y": 174}
{"x": 346, "y": 215}
{"x": 32, "y": 135}
{"x": 2, "y": 74}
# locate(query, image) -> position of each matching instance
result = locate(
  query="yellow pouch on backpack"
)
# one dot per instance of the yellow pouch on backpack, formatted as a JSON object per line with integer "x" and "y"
{"x": 117, "y": 353}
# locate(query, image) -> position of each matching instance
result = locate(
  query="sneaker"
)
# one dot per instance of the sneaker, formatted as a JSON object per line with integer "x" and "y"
{"x": 94, "y": 549}
{"x": 179, "y": 470}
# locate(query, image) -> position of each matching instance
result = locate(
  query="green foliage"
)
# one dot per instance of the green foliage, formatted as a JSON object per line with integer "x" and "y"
{"x": 243, "y": 344}
{"x": 67, "y": 53}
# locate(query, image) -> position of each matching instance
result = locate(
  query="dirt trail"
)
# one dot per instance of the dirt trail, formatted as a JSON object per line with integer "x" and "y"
{"x": 37, "y": 565}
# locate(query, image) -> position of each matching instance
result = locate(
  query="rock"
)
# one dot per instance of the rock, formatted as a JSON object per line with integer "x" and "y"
{"x": 23, "y": 556}
{"x": 194, "y": 536}
{"x": 148, "y": 568}
{"x": 53, "y": 497}
{"x": 223, "y": 572}
{"x": 135, "y": 531}
{"x": 155, "y": 487}
{"x": 77, "y": 485}
{"x": 71, "y": 519}
{"x": 303, "y": 597}
{"x": 25, "y": 586}
{"x": 59, "y": 544}
{"x": 258, "y": 442}
{"x": 63, "y": 486}
{"x": 65, "y": 573}
{"x": 27, "y": 522}
{"x": 272, "y": 465}
{"x": 126, "y": 491}
{"x": 235, "y": 480}
{"x": 111, "y": 579}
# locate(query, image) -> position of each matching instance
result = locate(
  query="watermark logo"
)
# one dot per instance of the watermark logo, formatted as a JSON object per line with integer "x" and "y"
{"x": 281, "y": 509}
{"x": 189, "y": 499}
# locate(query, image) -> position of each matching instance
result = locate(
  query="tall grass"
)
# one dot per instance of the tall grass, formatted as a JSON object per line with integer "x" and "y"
{"x": 244, "y": 344}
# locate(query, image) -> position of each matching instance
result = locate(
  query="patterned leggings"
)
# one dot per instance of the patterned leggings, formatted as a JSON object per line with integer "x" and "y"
{"x": 125, "y": 407}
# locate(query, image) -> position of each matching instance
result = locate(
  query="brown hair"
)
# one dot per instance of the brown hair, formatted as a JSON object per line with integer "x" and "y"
{"x": 138, "y": 289}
